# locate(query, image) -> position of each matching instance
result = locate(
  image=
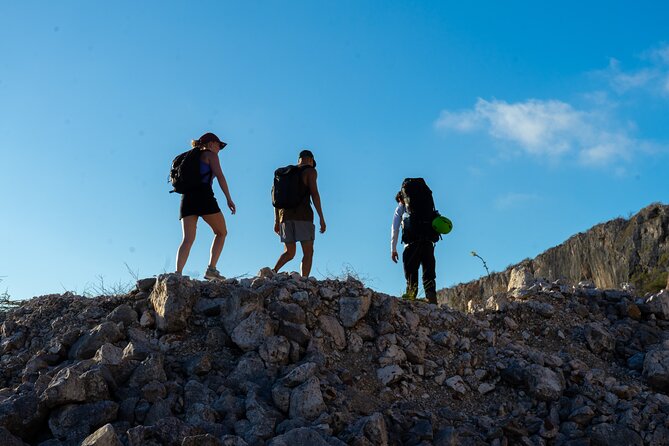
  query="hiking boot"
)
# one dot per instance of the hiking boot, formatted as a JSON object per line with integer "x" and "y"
{"x": 213, "y": 274}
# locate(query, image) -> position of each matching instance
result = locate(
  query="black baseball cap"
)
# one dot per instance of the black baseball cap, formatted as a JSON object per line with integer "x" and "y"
{"x": 307, "y": 154}
{"x": 209, "y": 137}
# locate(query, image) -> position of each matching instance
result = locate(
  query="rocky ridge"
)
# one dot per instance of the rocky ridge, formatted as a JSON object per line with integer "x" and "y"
{"x": 631, "y": 251}
{"x": 281, "y": 360}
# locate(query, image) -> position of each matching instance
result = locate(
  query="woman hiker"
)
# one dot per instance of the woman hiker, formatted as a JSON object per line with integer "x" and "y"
{"x": 201, "y": 203}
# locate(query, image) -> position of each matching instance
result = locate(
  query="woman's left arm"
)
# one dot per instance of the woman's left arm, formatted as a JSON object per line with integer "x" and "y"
{"x": 215, "y": 165}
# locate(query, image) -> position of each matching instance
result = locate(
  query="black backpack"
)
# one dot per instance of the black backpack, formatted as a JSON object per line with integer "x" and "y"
{"x": 185, "y": 171}
{"x": 419, "y": 203}
{"x": 288, "y": 190}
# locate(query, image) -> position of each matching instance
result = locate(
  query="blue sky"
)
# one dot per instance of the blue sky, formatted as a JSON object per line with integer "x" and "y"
{"x": 531, "y": 122}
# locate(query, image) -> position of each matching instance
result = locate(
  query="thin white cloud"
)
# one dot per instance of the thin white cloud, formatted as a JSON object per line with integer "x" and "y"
{"x": 622, "y": 81}
{"x": 659, "y": 55}
{"x": 464, "y": 121}
{"x": 513, "y": 200}
{"x": 549, "y": 129}
{"x": 653, "y": 77}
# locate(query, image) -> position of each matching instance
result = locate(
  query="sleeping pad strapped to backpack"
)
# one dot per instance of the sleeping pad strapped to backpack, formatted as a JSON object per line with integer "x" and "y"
{"x": 288, "y": 190}
{"x": 419, "y": 203}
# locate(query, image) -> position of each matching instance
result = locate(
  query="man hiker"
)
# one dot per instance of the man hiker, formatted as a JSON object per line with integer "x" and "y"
{"x": 418, "y": 237}
{"x": 295, "y": 187}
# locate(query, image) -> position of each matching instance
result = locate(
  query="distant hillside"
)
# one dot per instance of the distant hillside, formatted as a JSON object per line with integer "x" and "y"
{"x": 634, "y": 251}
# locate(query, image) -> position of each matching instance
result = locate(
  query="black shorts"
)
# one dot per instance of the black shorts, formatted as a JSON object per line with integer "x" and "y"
{"x": 199, "y": 202}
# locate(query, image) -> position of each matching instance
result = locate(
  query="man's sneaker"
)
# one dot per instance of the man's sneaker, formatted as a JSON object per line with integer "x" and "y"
{"x": 213, "y": 274}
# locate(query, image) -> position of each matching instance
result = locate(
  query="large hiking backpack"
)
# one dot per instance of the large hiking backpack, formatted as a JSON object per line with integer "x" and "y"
{"x": 419, "y": 203}
{"x": 288, "y": 191}
{"x": 185, "y": 171}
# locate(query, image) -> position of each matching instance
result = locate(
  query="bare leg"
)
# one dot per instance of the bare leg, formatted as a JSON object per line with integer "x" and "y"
{"x": 189, "y": 227}
{"x": 307, "y": 257}
{"x": 287, "y": 256}
{"x": 217, "y": 223}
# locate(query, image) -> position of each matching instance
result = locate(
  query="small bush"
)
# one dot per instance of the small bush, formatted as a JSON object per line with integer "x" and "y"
{"x": 651, "y": 281}
{"x": 7, "y": 304}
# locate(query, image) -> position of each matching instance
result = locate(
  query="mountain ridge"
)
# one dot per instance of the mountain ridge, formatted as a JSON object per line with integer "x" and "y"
{"x": 611, "y": 254}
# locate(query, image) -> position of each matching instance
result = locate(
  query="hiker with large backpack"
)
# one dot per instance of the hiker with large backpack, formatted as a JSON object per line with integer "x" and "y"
{"x": 192, "y": 175}
{"x": 415, "y": 213}
{"x": 294, "y": 188}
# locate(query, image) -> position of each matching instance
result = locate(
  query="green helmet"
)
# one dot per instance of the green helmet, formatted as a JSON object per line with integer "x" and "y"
{"x": 442, "y": 225}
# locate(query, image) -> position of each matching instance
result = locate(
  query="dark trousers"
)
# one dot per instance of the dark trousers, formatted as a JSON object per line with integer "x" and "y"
{"x": 415, "y": 255}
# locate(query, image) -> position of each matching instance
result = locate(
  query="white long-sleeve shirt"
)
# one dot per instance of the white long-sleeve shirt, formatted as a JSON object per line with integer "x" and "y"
{"x": 395, "y": 228}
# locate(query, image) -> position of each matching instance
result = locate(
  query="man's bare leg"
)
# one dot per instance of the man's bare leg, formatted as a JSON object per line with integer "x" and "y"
{"x": 287, "y": 256}
{"x": 307, "y": 257}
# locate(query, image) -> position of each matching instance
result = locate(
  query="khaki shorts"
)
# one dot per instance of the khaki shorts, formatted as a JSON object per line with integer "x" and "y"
{"x": 293, "y": 231}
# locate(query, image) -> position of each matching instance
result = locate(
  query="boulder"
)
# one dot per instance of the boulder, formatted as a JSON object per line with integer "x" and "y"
{"x": 289, "y": 312}
{"x": 352, "y": 309}
{"x": 152, "y": 368}
{"x": 332, "y": 328}
{"x": 201, "y": 440}
{"x": 520, "y": 279}
{"x": 306, "y": 400}
{"x": 598, "y": 338}
{"x": 659, "y": 303}
{"x": 606, "y": 434}
{"x": 208, "y": 307}
{"x": 281, "y": 397}
{"x": 392, "y": 355}
{"x": 543, "y": 383}
{"x": 73, "y": 422}
{"x": 656, "y": 369}
{"x": 266, "y": 273}
{"x": 147, "y": 320}
{"x": 262, "y": 416}
{"x": 233, "y": 440}
{"x": 88, "y": 344}
{"x": 300, "y": 374}
{"x": 146, "y": 284}
{"x": 7, "y": 439}
{"x": 123, "y": 313}
{"x": 275, "y": 350}
{"x": 172, "y": 299}
{"x": 109, "y": 355}
{"x": 22, "y": 414}
{"x": 457, "y": 384}
{"x": 69, "y": 387}
{"x": 389, "y": 374}
{"x": 302, "y": 436}
{"x": 543, "y": 309}
{"x": 250, "y": 333}
{"x": 105, "y": 436}
{"x": 497, "y": 302}
{"x": 238, "y": 306}
{"x": 370, "y": 430}
{"x": 295, "y": 332}
{"x": 168, "y": 432}
{"x": 249, "y": 369}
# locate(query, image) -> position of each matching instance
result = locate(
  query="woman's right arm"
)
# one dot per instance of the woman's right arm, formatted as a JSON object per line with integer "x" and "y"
{"x": 215, "y": 166}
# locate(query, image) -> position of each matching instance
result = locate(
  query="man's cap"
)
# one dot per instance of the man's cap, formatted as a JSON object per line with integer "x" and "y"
{"x": 209, "y": 137}
{"x": 307, "y": 154}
